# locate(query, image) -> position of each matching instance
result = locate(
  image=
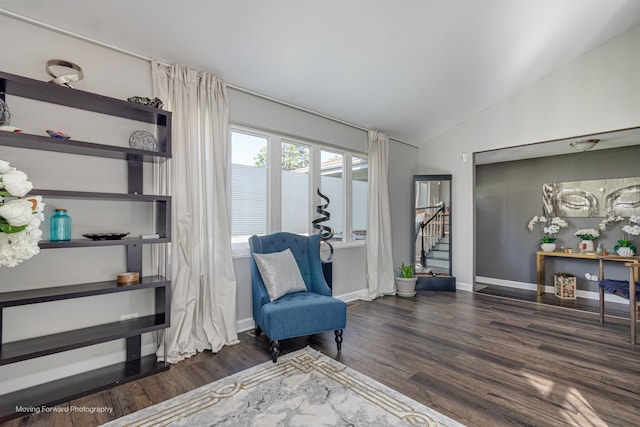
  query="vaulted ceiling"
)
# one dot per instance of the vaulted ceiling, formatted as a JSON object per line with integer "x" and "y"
{"x": 412, "y": 68}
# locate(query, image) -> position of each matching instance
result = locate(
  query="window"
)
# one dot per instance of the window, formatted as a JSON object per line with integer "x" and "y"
{"x": 274, "y": 182}
{"x": 359, "y": 197}
{"x": 296, "y": 182}
{"x": 332, "y": 186}
{"x": 249, "y": 160}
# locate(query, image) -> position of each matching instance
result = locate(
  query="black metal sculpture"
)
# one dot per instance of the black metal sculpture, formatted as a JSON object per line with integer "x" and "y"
{"x": 326, "y": 233}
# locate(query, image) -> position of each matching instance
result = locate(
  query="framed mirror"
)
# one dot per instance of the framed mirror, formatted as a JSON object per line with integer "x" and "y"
{"x": 431, "y": 251}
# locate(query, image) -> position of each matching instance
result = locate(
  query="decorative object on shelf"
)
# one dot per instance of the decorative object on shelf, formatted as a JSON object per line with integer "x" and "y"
{"x": 584, "y": 144}
{"x": 60, "y": 226}
{"x": 553, "y": 227}
{"x": 565, "y": 285}
{"x": 326, "y": 232}
{"x": 64, "y": 79}
{"x": 5, "y": 114}
{"x": 592, "y": 198}
{"x": 105, "y": 236}
{"x": 406, "y": 281}
{"x": 128, "y": 277}
{"x": 13, "y": 129}
{"x": 588, "y": 235}
{"x": 20, "y": 217}
{"x": 56, "y": 134}
{"x": 143, "y": 140}
{"x": 155, "y": 102}
{"x": 625, "y": 246}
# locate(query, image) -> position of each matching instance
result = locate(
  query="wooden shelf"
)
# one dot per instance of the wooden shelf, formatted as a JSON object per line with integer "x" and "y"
{"x": 69, "y": 388}
{"x": 17, "y": 351}
{"x": 64, "y": 194}
{"x": 70, "y": 146}
{"x": 36, "y": 296}
{"x": 85, "y": 243}
{"x": 62, "y": 95}
{"x": 130, "y": 330}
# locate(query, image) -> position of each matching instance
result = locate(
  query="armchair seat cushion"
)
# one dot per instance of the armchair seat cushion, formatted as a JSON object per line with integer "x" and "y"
{"x": 303, "y": 313}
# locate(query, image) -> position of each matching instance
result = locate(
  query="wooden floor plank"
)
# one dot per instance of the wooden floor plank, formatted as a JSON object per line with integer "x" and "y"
{"x": 480, "y": 359}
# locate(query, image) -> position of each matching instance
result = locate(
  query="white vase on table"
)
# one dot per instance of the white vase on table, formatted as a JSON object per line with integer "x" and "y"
{"x": 548, "y": 247}
{"x": 587, "y": 245}
{"x": 624, "y": 251}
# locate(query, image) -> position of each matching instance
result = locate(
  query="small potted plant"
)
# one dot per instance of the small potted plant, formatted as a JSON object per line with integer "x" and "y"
{"x": 625, "y": 246}
{"x": 406, "y": 281}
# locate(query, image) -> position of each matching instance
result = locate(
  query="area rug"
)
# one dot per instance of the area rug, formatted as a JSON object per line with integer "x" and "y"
{"x": 304, "y": 388}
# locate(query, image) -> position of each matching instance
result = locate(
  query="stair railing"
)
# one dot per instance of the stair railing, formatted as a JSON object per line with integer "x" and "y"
{"x": 432, "y": 229}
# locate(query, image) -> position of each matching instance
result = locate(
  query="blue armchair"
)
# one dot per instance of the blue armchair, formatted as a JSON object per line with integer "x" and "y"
{"x": 299, "y": 313}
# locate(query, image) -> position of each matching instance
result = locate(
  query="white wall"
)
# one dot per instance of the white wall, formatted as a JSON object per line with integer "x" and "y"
{"x": 117, "y": 75}
{"x": 597, "y": 92}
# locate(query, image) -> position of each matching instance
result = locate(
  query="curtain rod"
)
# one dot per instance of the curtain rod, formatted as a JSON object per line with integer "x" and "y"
{"x": 149, "y": 59}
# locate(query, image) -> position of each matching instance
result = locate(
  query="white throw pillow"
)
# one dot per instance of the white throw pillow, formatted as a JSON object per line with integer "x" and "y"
{"x": 280, "y": 273}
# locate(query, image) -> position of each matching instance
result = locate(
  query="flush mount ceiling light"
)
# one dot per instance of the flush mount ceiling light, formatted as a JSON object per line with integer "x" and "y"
{"x": 585, "y": 144}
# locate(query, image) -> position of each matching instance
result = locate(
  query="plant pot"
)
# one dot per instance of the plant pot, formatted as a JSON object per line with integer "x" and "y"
{"x": 548, "y": 247}
{"x": 406, "y": 287}
{"x": 587, "y": 246}
{"x": 624, "y": 251}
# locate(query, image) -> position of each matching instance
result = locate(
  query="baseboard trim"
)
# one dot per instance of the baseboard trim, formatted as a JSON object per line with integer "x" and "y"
{"x": 461, "y": 286}
{"x": 548, "y": 289}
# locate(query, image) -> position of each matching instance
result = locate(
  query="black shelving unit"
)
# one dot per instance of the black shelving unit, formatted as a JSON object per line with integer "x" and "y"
{"x": 135, "y": 365}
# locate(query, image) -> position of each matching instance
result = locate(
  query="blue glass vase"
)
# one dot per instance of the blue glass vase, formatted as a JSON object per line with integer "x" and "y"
{"x": 60, "y": 226}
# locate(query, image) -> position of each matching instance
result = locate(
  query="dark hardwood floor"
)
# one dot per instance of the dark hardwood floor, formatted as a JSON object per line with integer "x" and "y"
{"x": 584, "y": 304}
{"x": 482, "y": 360}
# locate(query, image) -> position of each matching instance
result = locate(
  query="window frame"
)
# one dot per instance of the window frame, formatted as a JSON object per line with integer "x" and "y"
{"x": 274, "y": 184}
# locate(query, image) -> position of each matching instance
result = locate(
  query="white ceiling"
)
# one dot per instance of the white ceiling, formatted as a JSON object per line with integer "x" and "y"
{"x": 412, "y": 68}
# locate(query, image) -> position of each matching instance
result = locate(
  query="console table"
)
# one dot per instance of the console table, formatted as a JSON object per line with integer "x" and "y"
{"x": 541, "y": 256}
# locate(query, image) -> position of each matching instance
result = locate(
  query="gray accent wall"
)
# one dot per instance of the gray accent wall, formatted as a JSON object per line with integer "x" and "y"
{"x": 509, "y": 194}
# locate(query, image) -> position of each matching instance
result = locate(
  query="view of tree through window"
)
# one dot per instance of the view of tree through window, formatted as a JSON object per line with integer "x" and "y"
{"x": 295, "y": 188}
{"x": 274, "y": 182}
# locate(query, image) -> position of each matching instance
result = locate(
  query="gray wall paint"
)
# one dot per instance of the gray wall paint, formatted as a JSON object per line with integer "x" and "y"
{"x": 595, "y": 93}
{"x": 509, "y": 194}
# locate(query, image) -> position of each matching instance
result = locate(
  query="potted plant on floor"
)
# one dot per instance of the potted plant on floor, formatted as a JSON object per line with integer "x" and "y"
{"x": 406, "y": 281}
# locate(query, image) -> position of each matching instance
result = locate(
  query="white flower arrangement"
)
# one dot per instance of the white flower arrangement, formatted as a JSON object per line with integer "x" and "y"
{"x": 20, "y": 217}
{"x": 587, "y": 233}
{"x": 627, "y": 230}
{"x": 553, "y": 227}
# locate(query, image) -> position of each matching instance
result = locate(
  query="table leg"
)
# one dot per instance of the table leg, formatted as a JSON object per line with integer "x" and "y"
{"x": 632, "y": 303}
{"x": 540, "y": 271}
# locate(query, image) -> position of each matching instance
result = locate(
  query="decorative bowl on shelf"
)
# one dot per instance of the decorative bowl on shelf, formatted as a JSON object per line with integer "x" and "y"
{"x": 56, "y": 134}
{"x": 155, "y": 102}
{"x": 143, "y": 140}
{"x": 105, "y": 236}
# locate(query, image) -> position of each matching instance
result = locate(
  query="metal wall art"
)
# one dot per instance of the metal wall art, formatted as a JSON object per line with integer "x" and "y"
{"x": 593, "y": 198}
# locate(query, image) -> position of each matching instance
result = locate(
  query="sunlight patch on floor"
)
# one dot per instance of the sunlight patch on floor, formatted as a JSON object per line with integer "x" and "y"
{"x": 574, "y": 407}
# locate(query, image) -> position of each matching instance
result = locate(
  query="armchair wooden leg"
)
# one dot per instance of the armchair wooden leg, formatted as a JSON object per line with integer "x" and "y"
{"x": 258, "y": 331}
{"x": 339, "y": 339}
{"x": 275, "y": 350}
